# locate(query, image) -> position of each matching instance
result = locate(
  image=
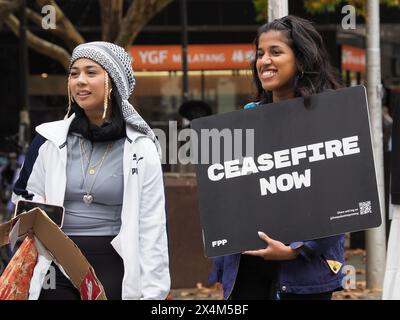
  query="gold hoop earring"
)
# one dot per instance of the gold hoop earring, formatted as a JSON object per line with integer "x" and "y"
{"x": 106, "y": 94}
{"x": 70, "y": 97}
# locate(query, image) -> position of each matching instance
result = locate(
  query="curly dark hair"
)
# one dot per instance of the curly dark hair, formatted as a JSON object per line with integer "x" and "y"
{"x": 311, "y": 57}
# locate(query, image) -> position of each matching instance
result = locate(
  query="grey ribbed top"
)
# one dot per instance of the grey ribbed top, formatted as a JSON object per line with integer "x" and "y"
{"x": 103, "y": 216}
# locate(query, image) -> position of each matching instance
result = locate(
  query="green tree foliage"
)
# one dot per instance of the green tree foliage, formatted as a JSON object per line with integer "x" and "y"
{"x": 318, "y": 6}
{"x": 261, "y": 7}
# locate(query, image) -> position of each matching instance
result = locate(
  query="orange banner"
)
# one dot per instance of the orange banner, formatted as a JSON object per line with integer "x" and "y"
{"x": 353, "y": 58}
{"x": 200, "y": 57}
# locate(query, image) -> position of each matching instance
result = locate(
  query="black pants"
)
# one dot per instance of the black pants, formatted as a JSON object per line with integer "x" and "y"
{"x": 257, "y": 280}
{"x": 106, "y": 262}
{"x": 314, "y": 296}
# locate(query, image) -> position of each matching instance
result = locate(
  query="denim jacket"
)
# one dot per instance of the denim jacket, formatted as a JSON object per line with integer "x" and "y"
{"x": 318, "y": 268}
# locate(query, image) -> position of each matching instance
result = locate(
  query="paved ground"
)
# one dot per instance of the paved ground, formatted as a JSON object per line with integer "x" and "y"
{"x": 355, "y": 260}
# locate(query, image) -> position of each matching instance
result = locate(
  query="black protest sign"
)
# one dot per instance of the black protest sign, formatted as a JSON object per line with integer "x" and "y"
{"x": 311, "y": 174}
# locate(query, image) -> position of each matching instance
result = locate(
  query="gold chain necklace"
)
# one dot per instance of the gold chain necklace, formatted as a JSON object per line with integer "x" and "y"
{"x": 92, "y": 167}
{"x": 88, "y": 197}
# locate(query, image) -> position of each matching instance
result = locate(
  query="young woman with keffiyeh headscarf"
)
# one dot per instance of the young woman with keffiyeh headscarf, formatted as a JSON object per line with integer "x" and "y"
{"x": 102, "y": 163}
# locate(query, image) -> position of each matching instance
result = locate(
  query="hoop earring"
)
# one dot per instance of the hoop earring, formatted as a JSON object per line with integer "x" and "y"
{"x": 106, "y": 94}
{"x": 70, "y": 98}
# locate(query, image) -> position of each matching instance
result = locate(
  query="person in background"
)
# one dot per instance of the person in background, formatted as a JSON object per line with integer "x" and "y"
{"x": 391, "y": 282}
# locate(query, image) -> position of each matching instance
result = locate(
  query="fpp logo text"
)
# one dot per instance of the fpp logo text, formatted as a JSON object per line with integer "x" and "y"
{"x": 218, "y": 243}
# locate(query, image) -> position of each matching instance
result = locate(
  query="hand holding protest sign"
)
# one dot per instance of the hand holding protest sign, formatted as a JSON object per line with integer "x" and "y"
{"x": 275, "y": 250}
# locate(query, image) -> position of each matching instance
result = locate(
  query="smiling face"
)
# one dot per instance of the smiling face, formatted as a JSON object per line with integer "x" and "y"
{"x": 87, "y": 85}
{"x": 276, "y": 65}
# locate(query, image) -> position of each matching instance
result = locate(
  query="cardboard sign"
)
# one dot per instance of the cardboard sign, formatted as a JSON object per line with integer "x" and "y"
{"x": 90, "y": 289}
{"x": 64, "y": 251}
{"x": 311, "y": 174}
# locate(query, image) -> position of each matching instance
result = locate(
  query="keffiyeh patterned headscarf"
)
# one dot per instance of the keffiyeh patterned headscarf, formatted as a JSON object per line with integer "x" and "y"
{"x": 118, "y": 64}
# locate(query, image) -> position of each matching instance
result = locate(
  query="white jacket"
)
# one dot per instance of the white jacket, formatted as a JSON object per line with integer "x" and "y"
{"x": 142, "y": 240}
{"x": 391, "y": 282}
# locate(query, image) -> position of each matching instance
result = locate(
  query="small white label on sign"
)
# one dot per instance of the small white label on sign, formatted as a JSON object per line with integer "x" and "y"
{"x": 218, "y": 243}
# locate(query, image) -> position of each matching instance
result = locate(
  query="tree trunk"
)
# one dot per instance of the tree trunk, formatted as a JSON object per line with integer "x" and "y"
{"x": 121, "y": 32}
{"x": 6, "y": 8}
{"x": 138, "y": 15}
{"x": 111, "y": 16}
{"x": 42, "y": 46}
{"x": 65, "y": 29}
